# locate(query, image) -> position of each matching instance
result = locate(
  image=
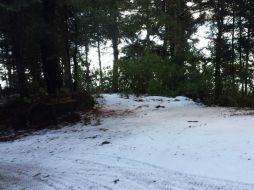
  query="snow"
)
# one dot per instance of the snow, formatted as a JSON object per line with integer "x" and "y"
{"x": 154, "y": 143}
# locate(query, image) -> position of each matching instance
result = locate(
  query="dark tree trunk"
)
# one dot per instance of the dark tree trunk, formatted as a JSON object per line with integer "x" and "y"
{"x": 87, "y": 65}
{"x": 179, "y": 33}
{"x": 17, "y": 38}
{"x": 172, "y": 21}
{"x": 174, "y": 29}
{"x": 8, "y": 65}
{"x": 115, "y": 38}
{"x": 218, "y": 52}
{"x": 233, "y": 46}
{"x": 166, "y": 32}
{"x": 100, "y": 65}
{"x": 35, "y": 67}
{"x": 241, "y": 54}
{"x": 247, "y": 61}
{"x": 75, "y": 53}
{"x": 67, "y": 63}
{"x": 49, "y": 55}
{"x": 148, "y": 25}
{"x": 115, "y": 66}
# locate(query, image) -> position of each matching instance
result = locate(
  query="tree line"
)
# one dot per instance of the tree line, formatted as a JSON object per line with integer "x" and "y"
{"x": 45, "y": 45}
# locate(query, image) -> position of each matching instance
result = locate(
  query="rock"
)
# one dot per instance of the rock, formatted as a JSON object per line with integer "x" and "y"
{"x": 116, "y": 181}
{"x": 159, "y": 106}
{"x": 105, "y": 142}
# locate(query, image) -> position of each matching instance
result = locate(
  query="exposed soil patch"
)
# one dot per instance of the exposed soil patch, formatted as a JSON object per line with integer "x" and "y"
{"x": 105, "y": 113}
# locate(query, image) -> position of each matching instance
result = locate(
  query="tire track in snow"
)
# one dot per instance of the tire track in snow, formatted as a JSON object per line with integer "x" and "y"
{"x": 99, "y": 172}
{"x": 165, "y": 179}
{"x": 62, "y": 171}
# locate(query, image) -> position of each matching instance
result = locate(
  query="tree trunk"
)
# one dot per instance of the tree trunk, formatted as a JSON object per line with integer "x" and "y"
{"x": 247, "y": 61}
{"x": 241, "y": 55}
{"x": 148, "y": 25}
{"x": 233, "y": 47}
{"x": 49, "y": 55}
{"x": 67, "y": 63}
{"x": 9, "y": 80}
{"x": 75, "y": 61}
{"x": 87, "y": 65}
{"x": 179, "y": 33}
{"x": 100, "y": 65}
{"x": 172, "y": 21}
{"x": 166, "y": 32}
{"x": 115, "y": 38}
{"x": 218, "y": 53}
{"x": 18, "y": 37}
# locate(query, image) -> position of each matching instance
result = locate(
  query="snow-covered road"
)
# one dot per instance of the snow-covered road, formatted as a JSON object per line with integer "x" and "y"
{"x": 177, "y": 146}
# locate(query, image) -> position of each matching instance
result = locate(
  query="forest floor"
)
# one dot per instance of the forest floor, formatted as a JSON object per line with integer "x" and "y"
{"x": 138, "y": 143}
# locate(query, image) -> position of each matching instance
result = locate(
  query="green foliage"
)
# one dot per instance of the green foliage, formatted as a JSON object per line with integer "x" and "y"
{"x": 138, "y": 74}
{"x": 153, "y": 75}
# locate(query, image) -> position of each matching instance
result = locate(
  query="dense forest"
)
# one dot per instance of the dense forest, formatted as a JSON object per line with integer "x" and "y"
{"x": 45, "y": 44}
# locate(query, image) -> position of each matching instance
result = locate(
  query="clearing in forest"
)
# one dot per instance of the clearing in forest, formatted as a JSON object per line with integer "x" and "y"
{"x": 138, "y": 143}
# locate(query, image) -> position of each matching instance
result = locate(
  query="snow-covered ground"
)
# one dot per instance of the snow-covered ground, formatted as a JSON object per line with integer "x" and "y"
{"x": 144, "y": 143}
